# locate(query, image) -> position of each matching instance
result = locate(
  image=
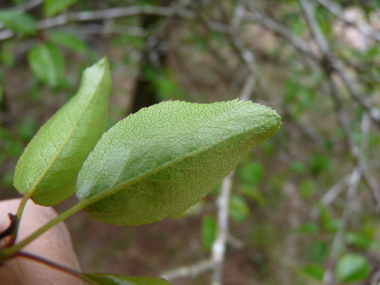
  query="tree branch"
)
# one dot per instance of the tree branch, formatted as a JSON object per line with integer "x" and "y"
{"x": 258, "y": 17}
{"x": 336, "y": 10}
{"x": 329, "y": 65}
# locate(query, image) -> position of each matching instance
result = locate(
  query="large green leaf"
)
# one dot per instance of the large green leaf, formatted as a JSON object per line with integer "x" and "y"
{"x": 21, "y": 23}
{"x": 165, "y": 158}
{"x": 51, "y": 161}
{"x": 52, "y": 7}
{"x": 47, "y": 63}
{"x": 106, "y": 279}
{"x": 352, "y": 268}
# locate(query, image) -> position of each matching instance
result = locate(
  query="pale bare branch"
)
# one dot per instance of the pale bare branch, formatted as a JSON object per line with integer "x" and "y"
{"x": 329, "y": 65}
{"x": 336, "y": 10}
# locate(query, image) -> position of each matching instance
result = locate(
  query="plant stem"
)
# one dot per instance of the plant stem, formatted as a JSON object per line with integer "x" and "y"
{"x": 20, "y": 210}
{"x": 54, "y": 265}
{"x": 11, "y": 251}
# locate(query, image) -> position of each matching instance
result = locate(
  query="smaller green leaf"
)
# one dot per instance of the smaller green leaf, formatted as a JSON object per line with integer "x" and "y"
{"x": 50, "y": 163}
{"x": 329, "y": 223}
{"x": 68, "y": 40}
{"x": 319, "y": 162}
{"x": 6, "y": 54}
{"x": 53, "y": 7}
{"x": 298, "y": 166}
{"x": 21, "y": 23}
{"x": 352, "y": 268}
{"x": 107, "y": 279}
{"x": 254, "y": 194}
{"x": 318, "y": 251}
{"x": 209, "y": 227}
{"x": 46, "y": 62}
{"x": 306, "y": 188}
{"x": 252, "y": 172}
{"x": 308, "y": 228}
{"x": 314, "y": 271}
{"x": 358, "y": 239}
{"x": 238, "y": 210}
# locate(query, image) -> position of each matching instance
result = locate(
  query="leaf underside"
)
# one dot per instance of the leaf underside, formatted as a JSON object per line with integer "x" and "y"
{"x": 165, "y": 158}
{"x": 107, "y": 279}
{"x": 51, "y": 161}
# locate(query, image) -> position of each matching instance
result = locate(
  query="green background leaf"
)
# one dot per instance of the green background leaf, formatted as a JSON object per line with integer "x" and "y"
{"x": 351, "y": 268}
{"x": 68, "y": 40}
{"x": 21, "y": 23}
{"x": 165, "y": 158}
{"x": 53, "y": 7}
{"x": 318, "y": 251}
{"x": 51, "y": 161}
{"x": 47, "y": 63}
{"x": 238, "y": 209}
{"x": 358, "y": 239}
{"x": 314, "y": 271}
{"x": 107, "y": 279}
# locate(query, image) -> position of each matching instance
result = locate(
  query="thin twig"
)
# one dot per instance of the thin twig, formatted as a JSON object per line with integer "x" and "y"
{"x": 189, "y": 271}
{"x": 53, "y": 264}
{"x": 105, "y": 14}
{"x": 256, "y": 16}
{"x": 219, "y": 245}
{"x": 28, "y": 5}
{"x": 331, "y": 195}
{"x": 354, "y": 180}
{"x": 334, "y": 253}
{"x": 333, "y": 63}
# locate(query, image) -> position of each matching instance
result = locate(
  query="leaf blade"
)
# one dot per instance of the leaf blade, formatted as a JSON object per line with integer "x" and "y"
{"x": 21, "y": 23}
{"x": 51, "y": 161}
{"x": 178, "y": 149}
{"x": 53, "y": 7}
{"x": 47, "y": 63}
{"x": 351, "y": 268}
{"x": 68, "y": 40}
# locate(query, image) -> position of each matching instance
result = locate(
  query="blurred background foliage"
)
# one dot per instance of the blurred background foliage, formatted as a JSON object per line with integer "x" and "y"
{"x": 304, "y": 207}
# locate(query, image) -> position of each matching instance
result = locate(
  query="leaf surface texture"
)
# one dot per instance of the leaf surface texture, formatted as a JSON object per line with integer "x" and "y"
{"x": 165, "y": 158}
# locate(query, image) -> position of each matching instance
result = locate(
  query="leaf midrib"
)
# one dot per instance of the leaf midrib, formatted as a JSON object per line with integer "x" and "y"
{"x": 47, "y": 168}
{"x": 115, "y": 189}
